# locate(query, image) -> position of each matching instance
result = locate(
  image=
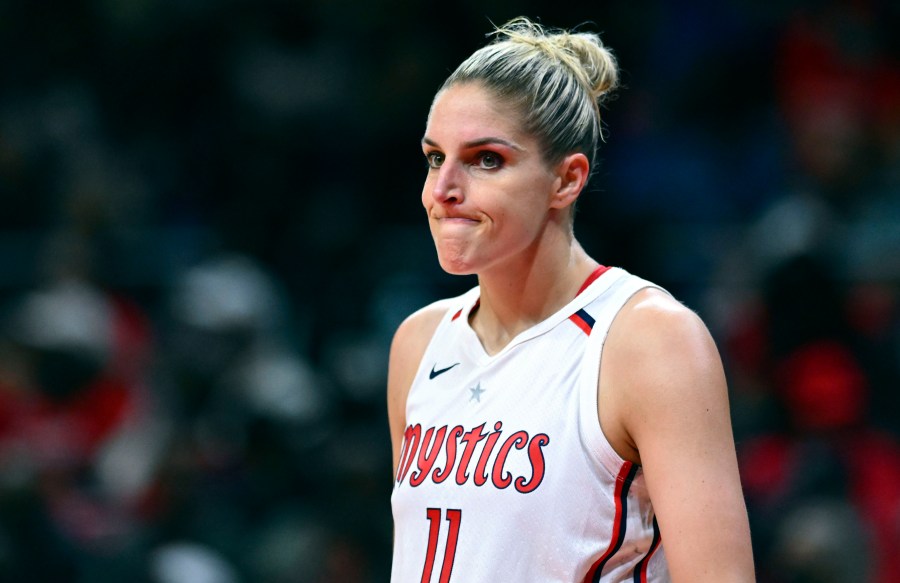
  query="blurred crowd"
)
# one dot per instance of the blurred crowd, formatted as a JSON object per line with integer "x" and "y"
{"x": 211, "y": 228}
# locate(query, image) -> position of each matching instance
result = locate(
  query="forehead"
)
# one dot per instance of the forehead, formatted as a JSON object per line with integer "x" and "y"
{"x": 469, "y": 111}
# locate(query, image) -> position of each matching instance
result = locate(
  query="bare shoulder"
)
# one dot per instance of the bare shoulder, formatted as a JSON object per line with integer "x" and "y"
{"x": 653, "y": 324}
{"x": 412, "y": 337}
{"x": 659, "y": 362}
{"x": 407, "y": 348}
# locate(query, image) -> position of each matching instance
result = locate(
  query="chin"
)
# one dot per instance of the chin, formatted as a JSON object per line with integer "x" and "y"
{"x": 456, "y": 266}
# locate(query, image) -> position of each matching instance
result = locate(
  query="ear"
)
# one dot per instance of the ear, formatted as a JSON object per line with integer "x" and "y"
{"x": 572, "y": 174}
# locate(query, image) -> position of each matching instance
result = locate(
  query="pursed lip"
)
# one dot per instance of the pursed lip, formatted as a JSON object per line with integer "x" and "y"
{"x": 452, "y": 219}
{"x": 458, "y": 225}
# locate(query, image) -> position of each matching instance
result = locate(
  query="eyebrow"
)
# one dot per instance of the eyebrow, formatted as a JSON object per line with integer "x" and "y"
{"x": 479, "y": 142}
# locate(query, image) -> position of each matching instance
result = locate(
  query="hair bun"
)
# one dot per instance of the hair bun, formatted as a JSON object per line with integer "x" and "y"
{"x": 583, "y": 52}
{"x": 595, "y": 60}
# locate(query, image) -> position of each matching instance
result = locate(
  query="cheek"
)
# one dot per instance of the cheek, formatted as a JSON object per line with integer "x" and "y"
{"x": 523, "y": 226}
{"x": 522, "y": 215}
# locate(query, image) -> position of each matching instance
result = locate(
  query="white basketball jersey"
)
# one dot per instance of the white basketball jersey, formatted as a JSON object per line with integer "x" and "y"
{"x": 504, "y": 474}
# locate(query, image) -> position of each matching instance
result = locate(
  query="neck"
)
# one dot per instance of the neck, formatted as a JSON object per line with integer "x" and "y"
{"x": 515, "y": 298}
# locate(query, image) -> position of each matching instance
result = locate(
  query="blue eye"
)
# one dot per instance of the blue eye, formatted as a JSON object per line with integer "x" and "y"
{"x": 434, "y": 159}
{"x": 489, "y": 160}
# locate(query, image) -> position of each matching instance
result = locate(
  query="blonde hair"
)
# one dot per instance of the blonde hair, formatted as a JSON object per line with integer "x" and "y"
{"x": 556, "y": 78}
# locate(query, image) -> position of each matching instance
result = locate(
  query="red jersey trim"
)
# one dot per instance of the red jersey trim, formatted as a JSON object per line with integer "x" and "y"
{"x": 583, "y": 320}
{"x": 623, "y": 484}
{"x": 640, "y": 570}
{"x": 601, "y": 269}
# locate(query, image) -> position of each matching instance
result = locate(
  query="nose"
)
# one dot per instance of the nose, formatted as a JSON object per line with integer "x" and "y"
{"x": 446, "y": 185}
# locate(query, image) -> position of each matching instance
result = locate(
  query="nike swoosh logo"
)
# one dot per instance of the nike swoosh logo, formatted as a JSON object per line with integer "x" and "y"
{"x": 441, "y": 371}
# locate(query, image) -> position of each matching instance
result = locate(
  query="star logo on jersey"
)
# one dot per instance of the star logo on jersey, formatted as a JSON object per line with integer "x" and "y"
{"x": 476, "y": 393}
{"x": 437, "y": 372}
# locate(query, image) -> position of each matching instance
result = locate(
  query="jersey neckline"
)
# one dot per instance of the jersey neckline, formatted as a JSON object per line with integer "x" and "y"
{"x": 592, "y": 288}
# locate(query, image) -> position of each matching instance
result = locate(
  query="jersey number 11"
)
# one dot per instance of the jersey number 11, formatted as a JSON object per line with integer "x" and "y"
{"x": 454, "y": 517}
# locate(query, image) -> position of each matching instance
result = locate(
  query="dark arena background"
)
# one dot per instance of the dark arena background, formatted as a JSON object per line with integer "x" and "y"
{"x": 211, "y": 226}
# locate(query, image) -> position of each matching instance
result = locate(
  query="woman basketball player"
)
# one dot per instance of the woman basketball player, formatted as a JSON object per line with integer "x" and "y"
{"x": 563, "y": 421}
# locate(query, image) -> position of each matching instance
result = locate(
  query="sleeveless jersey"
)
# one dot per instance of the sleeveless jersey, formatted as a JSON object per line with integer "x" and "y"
{"x": 505, "y": 474}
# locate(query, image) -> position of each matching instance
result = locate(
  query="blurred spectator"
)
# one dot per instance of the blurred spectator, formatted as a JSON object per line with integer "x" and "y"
{"x": 78, "y": 438}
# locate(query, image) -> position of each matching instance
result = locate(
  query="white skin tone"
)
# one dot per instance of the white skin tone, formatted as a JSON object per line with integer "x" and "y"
{"x": 496, "y": 208}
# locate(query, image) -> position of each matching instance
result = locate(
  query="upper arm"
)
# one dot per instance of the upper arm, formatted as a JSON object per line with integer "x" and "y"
{"x": 407, "y": 348}
{"x": 670, "y": 402}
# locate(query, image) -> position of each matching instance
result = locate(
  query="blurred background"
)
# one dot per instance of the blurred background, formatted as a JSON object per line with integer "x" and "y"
{"x": 211, "y": 227}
